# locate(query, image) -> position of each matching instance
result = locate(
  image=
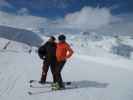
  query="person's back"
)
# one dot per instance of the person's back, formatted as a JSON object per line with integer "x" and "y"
{"x": 63, "y": 51}
{"x": 50, "y": 48}
{"x": 47, "y": 53}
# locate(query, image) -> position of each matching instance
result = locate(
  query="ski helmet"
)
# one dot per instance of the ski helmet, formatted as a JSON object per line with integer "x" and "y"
{"x": 62, "y": 38}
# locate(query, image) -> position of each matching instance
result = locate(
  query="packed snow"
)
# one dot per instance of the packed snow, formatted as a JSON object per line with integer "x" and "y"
{"x": 98, "y": 73}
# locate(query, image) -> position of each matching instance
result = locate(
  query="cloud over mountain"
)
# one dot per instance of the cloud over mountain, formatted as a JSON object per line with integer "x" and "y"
{"x": 88, "y": 18}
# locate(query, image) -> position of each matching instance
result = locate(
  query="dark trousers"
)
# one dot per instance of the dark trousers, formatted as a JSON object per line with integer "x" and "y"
{"x": 46, "y": 65}
{"x": 58, "y": 76}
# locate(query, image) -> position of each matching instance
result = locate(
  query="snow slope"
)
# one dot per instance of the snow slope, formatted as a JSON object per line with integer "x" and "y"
{"x": 98, "y": 78}
{"x": 20, "y": 35}
{"x": 9, "y": 45}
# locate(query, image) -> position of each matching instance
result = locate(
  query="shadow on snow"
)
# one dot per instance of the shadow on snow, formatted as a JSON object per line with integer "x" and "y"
{"x": 87, "y": 84}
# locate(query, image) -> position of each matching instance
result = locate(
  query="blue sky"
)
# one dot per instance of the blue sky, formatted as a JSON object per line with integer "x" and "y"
{"x": 59, "y": 8}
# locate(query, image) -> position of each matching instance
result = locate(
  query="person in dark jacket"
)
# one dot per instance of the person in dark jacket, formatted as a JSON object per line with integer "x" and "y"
{"x": 47, "y": 53}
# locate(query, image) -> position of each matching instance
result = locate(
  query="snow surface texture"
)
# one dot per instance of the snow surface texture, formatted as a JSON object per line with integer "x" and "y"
{"x": 98, "y": 77}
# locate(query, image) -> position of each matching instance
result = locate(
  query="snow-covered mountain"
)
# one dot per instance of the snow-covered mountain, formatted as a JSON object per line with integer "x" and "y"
{"x": 20, "y": 35}
{"x": 90, "y": 43}
{"x": 96, "y": 44}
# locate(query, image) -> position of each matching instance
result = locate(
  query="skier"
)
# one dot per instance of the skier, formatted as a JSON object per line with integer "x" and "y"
{"x": 47, "y": 53}
{"x": 63, "y": 52}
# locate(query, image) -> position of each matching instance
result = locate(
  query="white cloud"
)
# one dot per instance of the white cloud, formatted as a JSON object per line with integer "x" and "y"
{"x": 23, "y": 11}
{"x": 122, "y": 26}
{"x": 96, "y": 19}
{"x": 88, "y": 18}
{"x": 26, "y": 21}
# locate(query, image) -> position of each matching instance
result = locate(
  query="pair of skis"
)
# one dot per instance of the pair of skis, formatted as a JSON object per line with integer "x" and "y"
{"x": 47, "y": 87}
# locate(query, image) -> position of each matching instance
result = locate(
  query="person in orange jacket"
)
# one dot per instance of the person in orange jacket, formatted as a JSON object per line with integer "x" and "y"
{"x": 63, "y": 52}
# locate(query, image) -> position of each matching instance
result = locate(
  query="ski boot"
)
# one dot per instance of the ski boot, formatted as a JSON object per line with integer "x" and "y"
{"x": 42, "y": 82}
{"x": 55, "y": 86}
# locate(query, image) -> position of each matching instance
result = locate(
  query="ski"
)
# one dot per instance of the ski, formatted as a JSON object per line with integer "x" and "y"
{"x": 42, "y": 86}
{"x": 48, "y": 82}
{"x": 34, "y": 81}
{"x": 47, "y": 91}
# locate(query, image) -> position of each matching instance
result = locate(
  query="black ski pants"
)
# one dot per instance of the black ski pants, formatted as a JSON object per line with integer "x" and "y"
{"x": 58, "y": 76}
{"x": 45, "y": 68}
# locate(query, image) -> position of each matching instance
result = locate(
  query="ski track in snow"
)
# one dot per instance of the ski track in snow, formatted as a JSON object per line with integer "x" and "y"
{"x": 16, "y": 69}
{"x": 11, "y": 73}
{"x": 9, "y": 76}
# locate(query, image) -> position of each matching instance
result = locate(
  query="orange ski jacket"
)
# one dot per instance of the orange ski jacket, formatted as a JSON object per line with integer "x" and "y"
{"x": 63, "y": 51}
